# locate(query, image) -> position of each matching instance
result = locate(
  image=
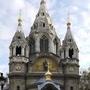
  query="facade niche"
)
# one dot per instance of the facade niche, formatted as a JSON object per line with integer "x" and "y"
{"x": 71, "y": 52}
{"x": 35, "y": 26}
{"x": 18, "y": 50}
{"x": 44, "y": 43}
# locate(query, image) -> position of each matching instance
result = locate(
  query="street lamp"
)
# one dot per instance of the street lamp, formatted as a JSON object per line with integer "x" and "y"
{"x": 2, "y": 80}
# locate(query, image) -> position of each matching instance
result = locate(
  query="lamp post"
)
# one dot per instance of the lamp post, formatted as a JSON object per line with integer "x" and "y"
{"x": 2, "y": 80}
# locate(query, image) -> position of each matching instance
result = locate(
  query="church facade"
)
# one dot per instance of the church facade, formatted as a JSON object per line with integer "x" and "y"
{"x": 39, "y": 61}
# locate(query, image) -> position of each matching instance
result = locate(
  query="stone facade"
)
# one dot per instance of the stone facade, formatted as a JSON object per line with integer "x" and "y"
{"x": 29, "y": 57}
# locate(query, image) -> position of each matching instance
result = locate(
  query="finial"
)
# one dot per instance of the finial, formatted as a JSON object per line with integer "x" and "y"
{"x": 68, "y": 21}
{"x": 42, "y": 2}
{"x": 19, "y": 21}
{"x": 48, "y": 74}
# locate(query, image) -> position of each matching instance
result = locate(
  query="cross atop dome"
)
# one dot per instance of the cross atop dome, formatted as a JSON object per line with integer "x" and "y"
{"x": 42, "y": 2}
{"x": 68, "y": 21}
{"x": 19, "y": 28}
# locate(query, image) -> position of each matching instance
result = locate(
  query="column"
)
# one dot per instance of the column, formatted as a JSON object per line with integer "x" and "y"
{"x": 22, "y": 52}
{"x": 14, "y": 51}
{"x": 67, "y": 52}
{"x": 27, "y": 51}
{"x": 37, "y": 44}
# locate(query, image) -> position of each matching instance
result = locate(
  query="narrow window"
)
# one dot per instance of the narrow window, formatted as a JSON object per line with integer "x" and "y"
{"x": 38, "y": 14}
{"x": 43, "y": 24}
{"x": 71, "y": 88}
{"x": 18, "y": 50}
{"x": 71, "y": 52}
{"x": 19, "y": 37}
{"x": 43, "y": 14}
{"x": 32, "y": 46}
{"x": 18, "y": 87}
{"x": 70, "y": 40}
{"x": 44, "y": 44}
{"x": 64, "y": 53}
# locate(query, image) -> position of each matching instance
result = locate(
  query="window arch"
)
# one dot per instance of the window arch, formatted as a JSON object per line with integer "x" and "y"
{"x": 44, "y": 43}
{"x": 18, "y": 50}
{"x": 32, "y": 46}
{"x": 71, "y": 52}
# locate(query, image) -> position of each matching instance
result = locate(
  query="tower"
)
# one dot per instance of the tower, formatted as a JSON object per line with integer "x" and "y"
{"x": 70, "y": 59}
{"x": 29, "y": 57}
{"x": 18, "y": 58}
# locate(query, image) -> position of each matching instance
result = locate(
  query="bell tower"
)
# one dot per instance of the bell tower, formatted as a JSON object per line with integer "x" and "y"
{"x": 18, "y": 58}
{"x": 70, "y": 49}
{"x": 70, "y": 60}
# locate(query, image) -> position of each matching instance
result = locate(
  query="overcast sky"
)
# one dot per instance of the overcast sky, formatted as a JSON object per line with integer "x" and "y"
{"x": 58, "y": 10}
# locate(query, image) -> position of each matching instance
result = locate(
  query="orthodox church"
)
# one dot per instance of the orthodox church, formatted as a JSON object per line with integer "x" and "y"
{"x": 39, "y": 61}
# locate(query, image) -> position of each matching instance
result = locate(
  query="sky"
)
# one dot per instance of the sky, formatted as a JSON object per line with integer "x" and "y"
{"x": 58, "y": 9}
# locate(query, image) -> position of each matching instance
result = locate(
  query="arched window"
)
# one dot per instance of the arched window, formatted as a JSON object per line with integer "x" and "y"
{"x": 18, "y": 50}
{"x": 71, "y": 52}
{"x": 56, "y": 45}
{"x": 44, "y": 44}
{"x": 32, "y": 46}
{"x": 71, "y": 88}
{"x": 43, "y": 24}
{"x": 43, "y": 13}
{"x": 18, "y": 87}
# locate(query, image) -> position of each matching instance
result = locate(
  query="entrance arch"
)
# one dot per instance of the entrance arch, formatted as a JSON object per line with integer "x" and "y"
{"x": 48, "y": 86}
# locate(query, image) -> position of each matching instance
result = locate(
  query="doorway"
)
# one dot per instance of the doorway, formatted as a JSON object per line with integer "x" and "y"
{"x": 49, "y": 87}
